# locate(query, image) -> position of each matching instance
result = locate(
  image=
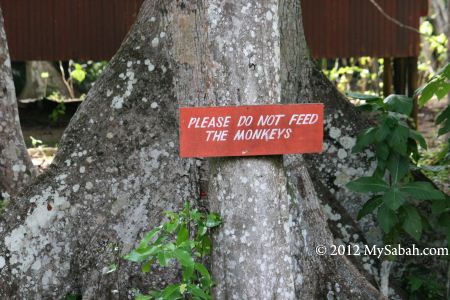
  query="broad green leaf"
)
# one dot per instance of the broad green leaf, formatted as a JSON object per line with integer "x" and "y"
{"x": 398, "y": 139}
{"x": 198, "y": 292}
{"x": 445, "y": 114}
{"x": 398, "y": 166}
{"x": 393, "y": 198}
{"x": 206, "y": 245}
{"x": 399, "y": 103}
{"x": 143, "y": 297}
{"x": 369, "y": 207}
{"x": 170, "y": 227}
{"x": 364, "y": 139}
{"x": 78, "y": 75}
{"x": 203, "y": 271}
{"x": 172, "y": 292}
{"x": 164, "y": 258}
{"x": 422, "y": 190}
{"x": 188, "y": 273}
{"x": 427, "y": 92}
{"x": 141, "y": 254}
{"x": 382, "y": 132}
{"x": 439, "y": 206}
{"x": 202, "y": 230}
{"x": 368, "y": 98}
{"x": 148, "y": 237}
{"x": 369, "y": 107}
{"x": 382, "y": 151}
{"x": 412, "y": 223}
{"x": 444, "y": 220}
{"x": 442, "y": 90}
{"x": 444, "y": 119}
{"x": 213, "y": 220}
{"x": 415, "y": 283}
{"x": 368, "y": 184}
{"x": 445, "y": 128}
{"x": 184, "y": 258}
{"x": 386, "y": 218}
{"x": 418, "y": 138}
{"x": 183, "y": 234}
{"x": 147, "y": 266}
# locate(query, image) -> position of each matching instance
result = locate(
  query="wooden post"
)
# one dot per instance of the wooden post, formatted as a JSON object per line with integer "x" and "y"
{"x": 387, "y": 77}
{"x": 400, "y": 75}
{"x": 412, "y": 86}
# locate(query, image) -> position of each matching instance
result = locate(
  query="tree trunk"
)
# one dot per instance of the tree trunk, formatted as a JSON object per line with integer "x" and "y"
{"x": 16, "y": 169}
{"x": 118, "y": 167}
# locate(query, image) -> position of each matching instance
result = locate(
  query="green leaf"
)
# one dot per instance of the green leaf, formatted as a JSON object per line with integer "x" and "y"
{"x": 444, "y": 129}
{"x": 382, "y": 151}
{"x": 439, "y": 206}
{"x": 213, "y": 220}
{"x": 398, "y": 166}
{"x": 206, "y": 245}
{"x": 188, "y": 272}
{"x": 148, "y": 237}
{"x": 164, "y": 258}
{"x": 422, "y": 190}
{"x": 445, "y": 114}
{"x": 203, "y": 271}
{"x": 183, "y": 234}
{"x": 170, "y": 227}
{"x": 147, "y": 266}
{"x": 444, "y": 119}
{"x": 368, "y": 98}
{"x": 369, "y": 206}
{"x": 427, "y": 92}
{"x": 141, "y": 254}
{"x": 398, "y": 139}
{"x": 444, "y": 220}
{"x": 382, "y": 132}
{"x": 386, "y": 218}
{"x": 172, "y": 292}
{"x": 198, "y": 292}
{"x": 364, "y": 139}
{"x": 412, "y": 223}
{"x": 442, "y": 90}
{"x": 418, "y": 138}
{"x": 393, "y": 198}
{"x": 415, "y": 283}
{"x": 368, "y": 184}
{"x": 399, "y": 103}
{"x": 143, "y": 297}
{"x": 78, "y": 74}
{"x": 184, "y": 258}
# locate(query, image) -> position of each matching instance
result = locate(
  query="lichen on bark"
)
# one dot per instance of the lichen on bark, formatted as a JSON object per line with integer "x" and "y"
{"x": 16, "y": 168}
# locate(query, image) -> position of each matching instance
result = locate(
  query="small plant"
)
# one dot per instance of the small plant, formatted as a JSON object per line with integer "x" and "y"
{"x": 423, "y": 284}
{"x": 184, "y": 239}
{"x": 396, "y": 193}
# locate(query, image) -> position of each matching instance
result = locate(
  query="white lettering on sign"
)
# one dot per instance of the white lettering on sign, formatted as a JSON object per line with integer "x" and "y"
{"x": 251, "y": 130}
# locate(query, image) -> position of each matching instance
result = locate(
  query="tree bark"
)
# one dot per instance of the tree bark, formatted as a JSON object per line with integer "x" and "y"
{"x": 118, "y": 167}
{"x": 16, "y": 168}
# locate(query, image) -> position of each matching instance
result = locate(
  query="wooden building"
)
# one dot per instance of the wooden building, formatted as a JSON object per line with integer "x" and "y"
{"x": 94, "y": 29}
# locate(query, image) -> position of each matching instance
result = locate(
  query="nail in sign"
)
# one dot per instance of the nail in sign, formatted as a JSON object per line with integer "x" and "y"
{"x": 251, "y": 130}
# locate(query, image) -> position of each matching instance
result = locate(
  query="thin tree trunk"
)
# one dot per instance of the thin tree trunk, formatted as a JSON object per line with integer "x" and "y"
{"x": 16, "y": 169}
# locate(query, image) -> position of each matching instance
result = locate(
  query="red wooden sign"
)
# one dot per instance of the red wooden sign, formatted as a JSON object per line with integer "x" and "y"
{"x": 251, "y": 130}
